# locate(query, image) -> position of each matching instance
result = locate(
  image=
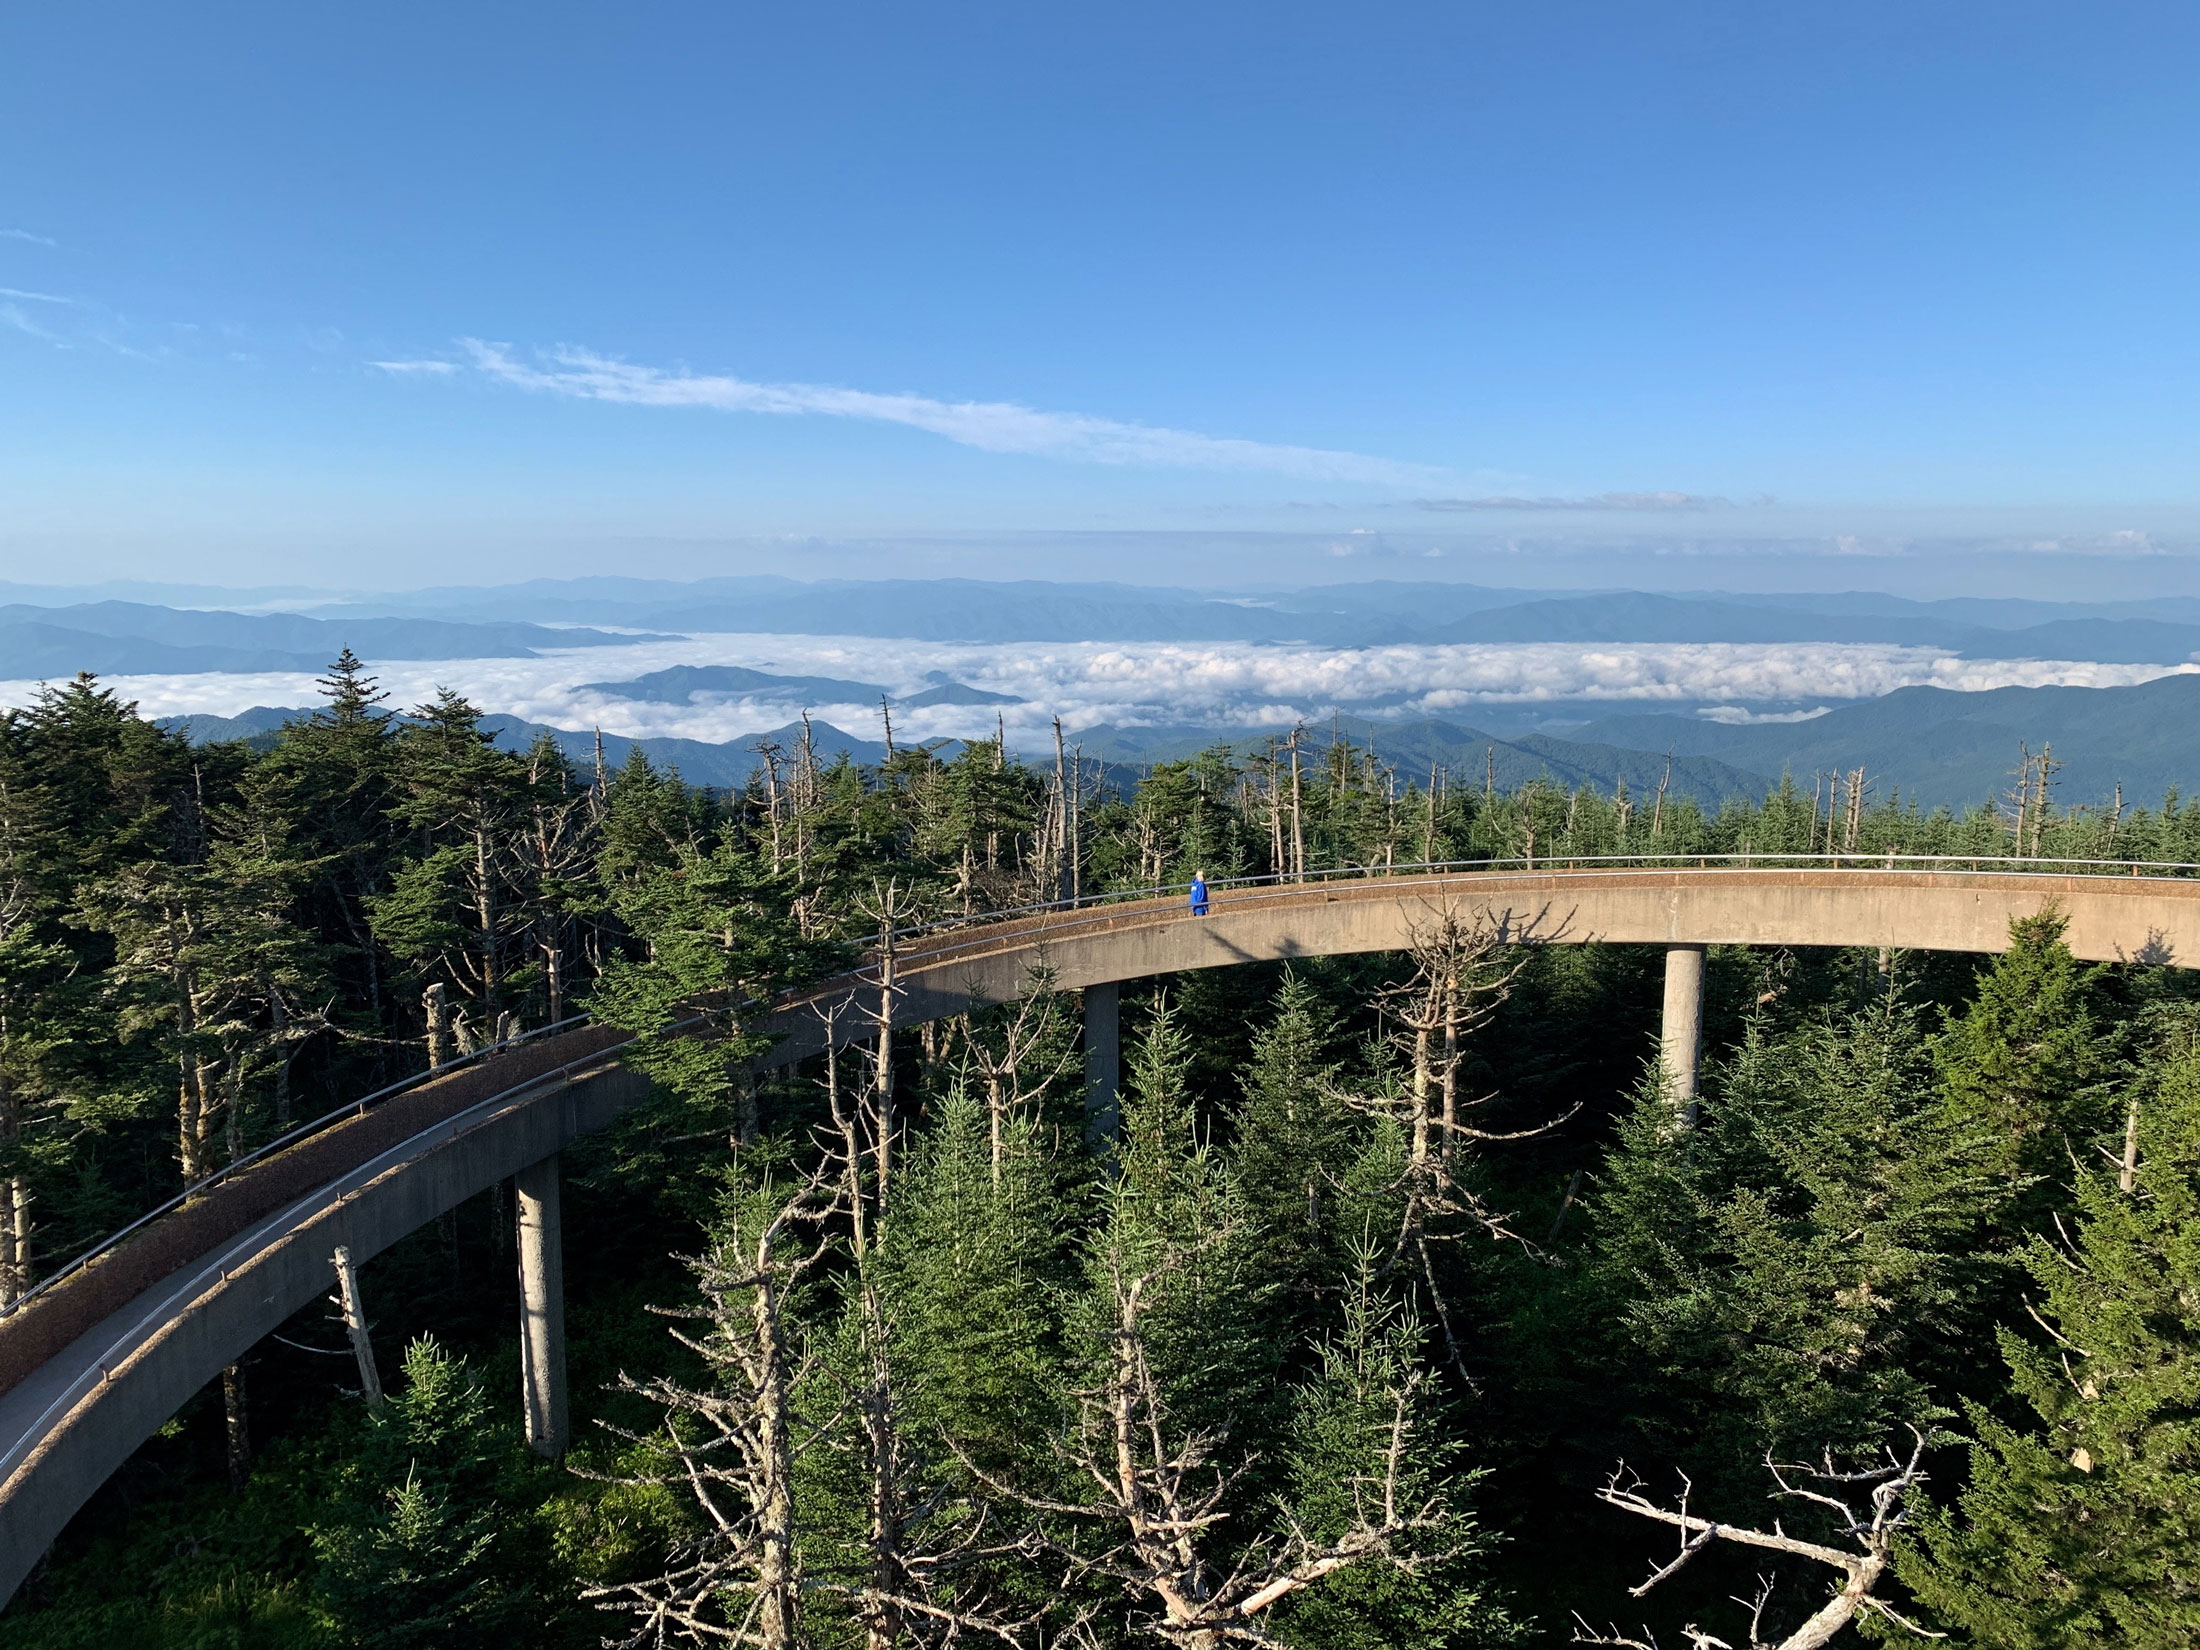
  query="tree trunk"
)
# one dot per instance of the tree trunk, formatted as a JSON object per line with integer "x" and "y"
{"x": 882, "y": 1148}
{"x": 1451, "y": 1069}
{"x": 1420, "y": 1095}
{"x": 485, "y": 914}
{"x": 1298, "y": 817}
{"x": 994, "y": 1105}
{"x": 355, "y": 1321}
{"x": 236, "y": 1427}
{"x": 778, "y": 1588}
{"x": 439, "y": 1025}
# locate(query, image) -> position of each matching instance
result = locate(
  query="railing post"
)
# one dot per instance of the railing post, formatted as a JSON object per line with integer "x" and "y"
{"x": 1680, "y": 1037}
{"x": 1103, "y": 1061}
{"x": 542, "y": 1306}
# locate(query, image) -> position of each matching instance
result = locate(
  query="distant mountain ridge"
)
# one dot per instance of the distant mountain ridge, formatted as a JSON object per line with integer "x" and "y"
{"x": 1943, "y": 747}
{"x": 1363, "y": 615}
{"x": 135, "y": 639}
{"x": 681, "y": 683}
{"x": 497, "y": 623}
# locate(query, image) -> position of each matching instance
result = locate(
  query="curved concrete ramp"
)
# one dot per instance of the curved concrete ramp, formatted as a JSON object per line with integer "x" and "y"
{"x": 71, "y": 1420}
{"x": 2111, "y": 918}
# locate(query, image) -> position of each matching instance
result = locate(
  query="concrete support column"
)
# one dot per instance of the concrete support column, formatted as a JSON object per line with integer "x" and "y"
{"x": 542, "y": 1307}
{"x": 1680, "y": 1038}
{"x": 1103, "y": 1061}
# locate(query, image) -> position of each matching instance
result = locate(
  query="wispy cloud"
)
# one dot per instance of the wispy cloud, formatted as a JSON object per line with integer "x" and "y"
{"x": 992, "y": 426}
{"x": 1365, "y": 541}
{"x": 1598, "y": 501}
{"x": 405, "y": 367}
{"x": 13, "y": 315}
{"x": 68, "y": 323}
{"x": 26, "y": 235}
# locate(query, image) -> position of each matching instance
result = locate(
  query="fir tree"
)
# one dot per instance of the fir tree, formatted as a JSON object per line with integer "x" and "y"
{"x": 1293, "y": 1136}
{"x": 1778, "y": 1276}
{"x": 2083, "y": 1528}
{"x": 1173, "y": 1215}
{"x": 971, "y": 1266}
{"x": 415, "y": 1555}
{"x": 2027, "y": 1060}
{"x": 1437, "y": 1594}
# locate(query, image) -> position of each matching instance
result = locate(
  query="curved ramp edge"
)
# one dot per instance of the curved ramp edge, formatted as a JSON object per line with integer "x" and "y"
{"x": 81, "y": 1414}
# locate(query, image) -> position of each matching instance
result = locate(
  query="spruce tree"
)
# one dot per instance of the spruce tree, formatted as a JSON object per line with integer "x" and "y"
{"x": 341, "y": 763}
{"x": 1293, "y": 1137}
{"x": 457, "y": 905}
{"x": 415, "y": 1554}
{"x": 1173, "y": 1214}
{"x": 1779, "y": 1276}
{"x": 971, "y": 1267}
{"x": 2027, "y": 1060}
{"x": 1437, "y": 1595}
{"x": 2082, "y": 1527}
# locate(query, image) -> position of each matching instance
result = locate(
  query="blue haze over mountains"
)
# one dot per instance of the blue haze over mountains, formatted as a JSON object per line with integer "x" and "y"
{"x": 1928, "y": 743}
{"x": 116, "y": 638}
{"x": 1346, "y": 615}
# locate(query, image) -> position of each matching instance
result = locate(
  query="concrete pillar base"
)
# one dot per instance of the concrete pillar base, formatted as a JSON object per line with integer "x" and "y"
{"x": 1680, "y": 1037}
{"x": 542, "y": 1307}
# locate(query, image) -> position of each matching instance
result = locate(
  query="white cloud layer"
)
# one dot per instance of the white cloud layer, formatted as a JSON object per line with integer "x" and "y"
{"x": 993, "y": 426}
{"x": 1146, "y": 683}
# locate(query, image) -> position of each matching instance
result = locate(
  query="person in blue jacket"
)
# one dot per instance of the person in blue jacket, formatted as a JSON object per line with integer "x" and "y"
{"x": 1199, "y": 893}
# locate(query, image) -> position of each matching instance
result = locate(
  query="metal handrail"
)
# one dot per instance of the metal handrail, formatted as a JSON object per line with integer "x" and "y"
{"x": 350, "y": 1109}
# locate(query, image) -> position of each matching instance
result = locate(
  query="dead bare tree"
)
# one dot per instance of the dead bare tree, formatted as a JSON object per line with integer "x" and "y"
{"x": 1014, "y": 1067}
{"x": 1161, "y": 1498}
{"x": 890, "y": 905}
{"x": 1464, "y": 967}
{"x": 733, "y": 1444}
{"x": 1871, "y": 1529}
{"x": 772, "y": 754}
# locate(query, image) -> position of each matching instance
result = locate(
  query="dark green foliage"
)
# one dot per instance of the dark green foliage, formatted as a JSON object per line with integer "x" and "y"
{"x": 1293, "y": 1135}
{"x": 2028, "y": 1060}
{"x": 1348, "y": 1414}
{"x": 972, "y": 1264}
{"x": 416, "y": 1552}
{"x": 1788, "y": 1273}
{"x": 2081, "y": 1526}
{"x": 1173, "y": 1215}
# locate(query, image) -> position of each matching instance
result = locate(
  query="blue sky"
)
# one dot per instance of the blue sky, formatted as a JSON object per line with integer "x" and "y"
{"x": 705, "y": 288}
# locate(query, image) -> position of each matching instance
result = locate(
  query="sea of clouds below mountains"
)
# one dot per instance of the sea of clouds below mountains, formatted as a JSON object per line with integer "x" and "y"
{"x": 1221, "y": 684}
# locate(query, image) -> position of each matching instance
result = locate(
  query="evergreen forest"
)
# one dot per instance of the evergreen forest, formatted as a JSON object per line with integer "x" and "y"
{"x": 1400, "y": 1307}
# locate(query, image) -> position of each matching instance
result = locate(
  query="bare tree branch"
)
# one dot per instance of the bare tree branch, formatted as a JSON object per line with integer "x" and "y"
{"x": 1871, "y": 1527}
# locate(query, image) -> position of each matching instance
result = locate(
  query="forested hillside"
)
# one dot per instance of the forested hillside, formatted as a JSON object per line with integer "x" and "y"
{"x": 1404, "y": 1311}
